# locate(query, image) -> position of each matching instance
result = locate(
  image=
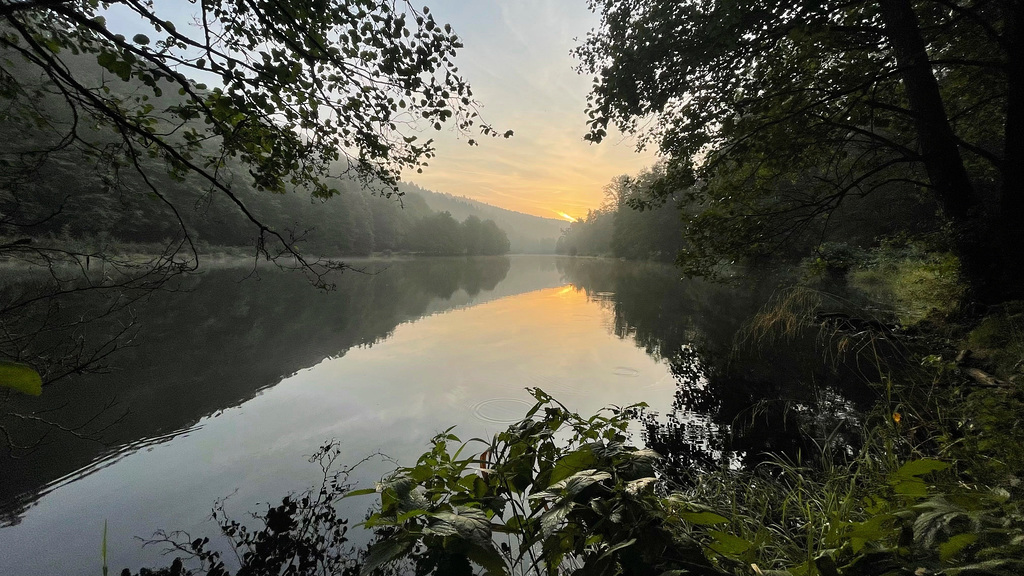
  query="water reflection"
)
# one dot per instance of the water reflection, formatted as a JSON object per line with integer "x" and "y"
{"x": 235, "y": 382}
{"x": 216, "y": 344}
{"x": 373, "y": 383}
{"x": 737, "y": 401}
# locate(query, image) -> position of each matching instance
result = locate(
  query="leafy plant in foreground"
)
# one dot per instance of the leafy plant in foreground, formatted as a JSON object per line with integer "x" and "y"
{"x": 558, "y": 493}
{"x": 554, "y": 493}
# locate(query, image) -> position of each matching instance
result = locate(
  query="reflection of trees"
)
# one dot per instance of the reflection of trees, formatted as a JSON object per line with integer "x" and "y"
{"x": 734, "y": 398}
{"x": 214, "y": 345}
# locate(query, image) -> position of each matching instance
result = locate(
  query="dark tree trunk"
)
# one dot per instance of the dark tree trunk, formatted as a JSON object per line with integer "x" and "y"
{"x": 939, "y": 149}
{"x": 1011, "y": 205}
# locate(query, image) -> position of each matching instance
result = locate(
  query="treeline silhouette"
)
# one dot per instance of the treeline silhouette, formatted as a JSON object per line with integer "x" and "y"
{"x": 81, "y": 207}
{"x": 644, "y": 217}
{"x": 91, "y": 196}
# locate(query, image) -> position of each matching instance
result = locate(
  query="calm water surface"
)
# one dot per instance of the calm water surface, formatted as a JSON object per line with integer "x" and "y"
{"x": 232, "y": 384}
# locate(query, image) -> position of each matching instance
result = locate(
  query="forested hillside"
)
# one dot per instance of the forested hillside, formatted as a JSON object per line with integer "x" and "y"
{"x": 93, "y": 198}
{"x": 80, "y": 208}
{"x": 527, "y": 234}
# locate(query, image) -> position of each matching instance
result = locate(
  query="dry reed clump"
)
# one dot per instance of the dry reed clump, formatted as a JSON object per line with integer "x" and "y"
{"x": 784, "y": 317}
{"x": 859, "y": 334}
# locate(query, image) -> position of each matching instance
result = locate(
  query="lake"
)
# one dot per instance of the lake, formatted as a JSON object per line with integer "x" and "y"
{"x": 230, "y": 383}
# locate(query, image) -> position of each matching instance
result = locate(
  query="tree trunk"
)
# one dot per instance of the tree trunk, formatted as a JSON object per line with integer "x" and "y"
{"x": 1011, "y": 206}
{"x": 938, "y": 144}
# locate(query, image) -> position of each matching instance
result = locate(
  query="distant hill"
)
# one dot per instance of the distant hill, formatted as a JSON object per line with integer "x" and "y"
{"x": 61, "y": 193}
{"x": 74, "y": 195}
{"x": 527, "y": 234}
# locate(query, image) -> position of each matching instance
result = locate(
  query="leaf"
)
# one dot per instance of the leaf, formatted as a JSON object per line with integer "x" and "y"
{"x": 471, "y": 524}
{"x": 386, "y": 551}
{"x": 553, "y": 518}
{"x": 641, "y": 485}
{"x": 140, "y": 39}
{"x": 703, "y": 518}
{"x": 911, "y": 487}
{"x": 727, "y": 544}
{"x": 613, "y": 549}
{"x": 579, "y": 481}
{"x": 920, "y": 467}
{"x": 572, "y": 463}
{"x": 404, "y": 492}
{"x": 362, "y": 492}
{"x": 1002, "y": 567}
{"x": 875, "y": 528}
{"x": 487, "y": 558}
{"x": 103, "y": 548}
{"x": 955, "y": 545}
{"x": 639, "y": 463}
{"x": 21, "y": 378}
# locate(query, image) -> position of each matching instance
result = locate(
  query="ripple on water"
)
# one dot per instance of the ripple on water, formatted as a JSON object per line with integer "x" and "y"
{"x": 626, "y": 371}
{"x": 501, "y": 410}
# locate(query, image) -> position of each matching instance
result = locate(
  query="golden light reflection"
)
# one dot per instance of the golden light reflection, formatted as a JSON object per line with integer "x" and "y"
{"x": 564, "y": 215}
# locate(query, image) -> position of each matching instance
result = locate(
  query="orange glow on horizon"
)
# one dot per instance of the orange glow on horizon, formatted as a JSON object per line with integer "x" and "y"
{"x": 564, "y": 215}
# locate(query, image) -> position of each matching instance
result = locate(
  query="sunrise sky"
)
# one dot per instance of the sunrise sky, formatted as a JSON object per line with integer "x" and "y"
{"x": 517, "y": 60}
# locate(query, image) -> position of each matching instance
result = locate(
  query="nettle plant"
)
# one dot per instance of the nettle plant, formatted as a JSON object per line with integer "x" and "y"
{"x": 557, "y": 493}
{"x": 554, "y": 493}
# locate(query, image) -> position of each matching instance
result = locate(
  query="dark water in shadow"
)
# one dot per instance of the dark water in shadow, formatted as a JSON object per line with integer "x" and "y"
{"x": 231, "y": 383}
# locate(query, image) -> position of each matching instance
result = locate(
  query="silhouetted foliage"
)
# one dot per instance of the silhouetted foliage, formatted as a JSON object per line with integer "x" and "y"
{"x": 772, "y": 115}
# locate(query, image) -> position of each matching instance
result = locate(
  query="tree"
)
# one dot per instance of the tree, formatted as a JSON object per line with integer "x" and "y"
{"x": 589, "y": 236}
{"x": 472, "y": 234}
{"x": 304, "y": 90}
{"x": 437, "y": 234}
{"x": 493, "y": 240}
{"x": 243, "y": 97}
{"x": 776, "y": 113}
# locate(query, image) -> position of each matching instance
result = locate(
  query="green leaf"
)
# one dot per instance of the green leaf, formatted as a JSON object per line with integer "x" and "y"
{"x": 362, "y": 492}
{"x": 403, "y": 491}
{"x": 703, "y": 518}
{"x": 487, "y": 558}
{"x": 576, "y": 483}
{"x": 955, "y": 545}
{"x": 387, "y": 551}
{"x": 21, "y": 378}
{"x": 911, "y": 487}
{"x": 471, "y": 524}
{"x": 103, "y": 548}
{"x": 572, "y": 463}
{"x": 613, "y": 549}
{"x": 553, "y": 518}
{"x": 727, "y": 544}
{"x": 920, "y": 467}
{"x": 875, "y": 528}
{"x": 1001, "y": 567}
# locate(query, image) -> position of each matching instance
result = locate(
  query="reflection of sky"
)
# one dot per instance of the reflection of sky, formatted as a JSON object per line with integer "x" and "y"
{"x": 467, "y": 367}
{"x": 516, "y": 58}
